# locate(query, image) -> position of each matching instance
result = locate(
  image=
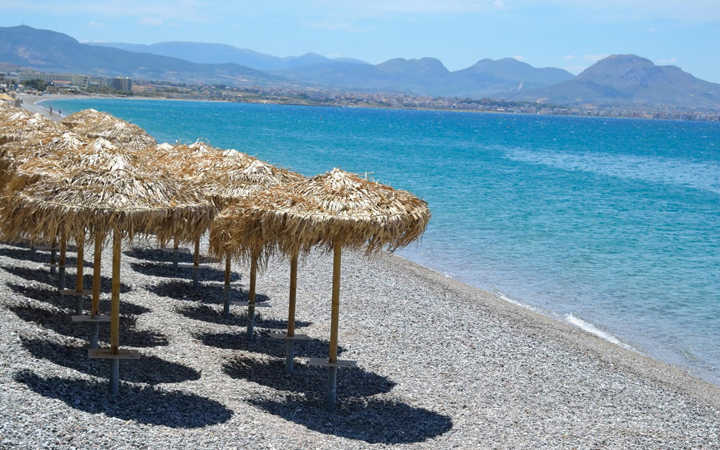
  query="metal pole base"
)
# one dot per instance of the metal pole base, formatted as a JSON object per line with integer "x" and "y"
{"x": 95, "y": 336}
{"x": 289, "y": 356}
{"x": 175, "y": 260}
{"x": 226, "y": 306}
{"x": 195, "y": 277}
{"x": 332, "y": 388}
{"x": 251, "y": 323}
{"x": 53, "y": 259}
{"x": 115, "y": 378}
{"x": 61, "y": 279}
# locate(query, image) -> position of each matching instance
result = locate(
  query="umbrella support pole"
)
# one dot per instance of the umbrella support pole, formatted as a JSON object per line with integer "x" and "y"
{"x": 332, "y": 388}
{"x": 61, "y": 262}
{"x": 115, "y": 378}
{"x": 53, "y": 257}
{"x": 196, "y": 262}
{"x": 95, "y": 336}
{"x": 335, "y": 316}
{"x": 251, "y": 298}
{"x": 289, "y": 359}
{"x": 289, "y": 355}
{"x": 176, "y": 246}
{"x": 97, "y": 260}
{"x": 115, "y": 313}
{"x": 226, "y": 292}
{"x": 79, "y": 276}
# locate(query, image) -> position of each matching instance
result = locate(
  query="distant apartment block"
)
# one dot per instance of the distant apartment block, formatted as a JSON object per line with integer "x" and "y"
{"x": 121, "y": 84}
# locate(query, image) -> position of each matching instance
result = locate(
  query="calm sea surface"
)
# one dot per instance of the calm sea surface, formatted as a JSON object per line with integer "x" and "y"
{"x": 613, "y": 225}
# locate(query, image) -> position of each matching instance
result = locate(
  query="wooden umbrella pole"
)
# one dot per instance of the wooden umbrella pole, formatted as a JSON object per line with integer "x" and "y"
{"x": 115, "y": 314}
{"x": 226, "y": 308}
{"x": 61, "y": 262}
{"x": 115, "y": 299}
{"x": 80, "y": 241}
{"x": 196, "y": 261}
{"x": 176, "y": 246}
{"x": 335, "y": 316}
{"x": 79, "y": 281}
{"x": 251, "y": 295}
{"x": 97, "y": 261}
{"x": 293, "y": 290}
{"x": 289, "y": 356}
{"x": 53, "y": 252}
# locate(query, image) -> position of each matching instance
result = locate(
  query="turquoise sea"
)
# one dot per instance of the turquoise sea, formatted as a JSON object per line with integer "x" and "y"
{"x": 613, "y": 225}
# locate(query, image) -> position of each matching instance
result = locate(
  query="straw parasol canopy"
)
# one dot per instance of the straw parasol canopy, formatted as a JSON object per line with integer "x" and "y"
{"x": 222, "y": 176}
{"x": 336, "y": 207}
{"x": 96, "y": 124}
{"x": 98, "y": 188}
{"x": 334, "y": 210}
{"x": 20, "y": 125}
{"x": 41, "y": 144}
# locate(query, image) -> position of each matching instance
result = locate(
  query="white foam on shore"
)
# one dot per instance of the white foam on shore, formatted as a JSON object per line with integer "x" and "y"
{"x": 514, "y": 302}
{"x": 592, "y": 329}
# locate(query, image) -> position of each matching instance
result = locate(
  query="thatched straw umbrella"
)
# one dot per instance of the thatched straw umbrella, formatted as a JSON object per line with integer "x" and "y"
{"x": 232, "y": 185}
{"x": 96, "y": 124}
{"x": 224, "y": 177}
{"x": 35, "y": 136}
{"x": 110, "y": 193}
{"x": 333, "y": 210}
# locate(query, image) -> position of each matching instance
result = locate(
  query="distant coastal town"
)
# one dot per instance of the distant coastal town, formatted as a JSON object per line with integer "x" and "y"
{"x": 39, "y": 83}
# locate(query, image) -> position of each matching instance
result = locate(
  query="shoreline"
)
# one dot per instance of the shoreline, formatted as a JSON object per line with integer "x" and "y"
{"x": 629, "y": 358}
{"x": 633, "y": 356}
{"x": 381, "y": 108}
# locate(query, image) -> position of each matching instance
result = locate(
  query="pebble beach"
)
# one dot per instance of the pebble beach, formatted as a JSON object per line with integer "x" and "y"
{"x": 439, "y": 365}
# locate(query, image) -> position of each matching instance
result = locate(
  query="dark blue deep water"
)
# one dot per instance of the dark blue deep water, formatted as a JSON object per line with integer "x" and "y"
{"x": 614, "y": 223}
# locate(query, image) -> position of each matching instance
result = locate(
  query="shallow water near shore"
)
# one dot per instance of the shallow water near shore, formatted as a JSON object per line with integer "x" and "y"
{"x": 611, "y": 224}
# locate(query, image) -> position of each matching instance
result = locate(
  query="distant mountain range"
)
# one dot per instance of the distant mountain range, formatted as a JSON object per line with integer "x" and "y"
{"x": 619, "y": 80}
{"x": 425, "y": 76}
{"x": 630, "y": 80}
{"x": 56, "y": 52}
{"x": 202, "y": 53}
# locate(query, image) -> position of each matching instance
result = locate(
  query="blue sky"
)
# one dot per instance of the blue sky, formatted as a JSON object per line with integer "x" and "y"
{"x": 563, "y": 33}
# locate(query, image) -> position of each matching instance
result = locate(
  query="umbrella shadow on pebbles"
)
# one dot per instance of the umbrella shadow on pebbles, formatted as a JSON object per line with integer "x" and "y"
{"x": 68, "y": 302}
{"x": 165, "y": 270}
{"x": 207, "y": 314}
{"x": 166, "y": 255}
{"x": 205, "y": 293}
{"x": 352, "y": 381}
{"x": 60, "y": 323}
{"x": 39, "y": 246}
{"x": 42, "y": 275}
{"x": 265, "y": 344}
{"x": 147, "y": 405}
{"x": 147, "y": 369}
{"x": 38, "y": 256}
{"x": 374, "y": 421}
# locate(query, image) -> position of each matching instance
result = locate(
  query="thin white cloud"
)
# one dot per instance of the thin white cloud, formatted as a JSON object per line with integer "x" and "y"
{"x": 595, "y": 57}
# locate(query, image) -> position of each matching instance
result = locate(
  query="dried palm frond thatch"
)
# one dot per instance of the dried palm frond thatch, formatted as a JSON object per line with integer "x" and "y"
{"x": 99, "y": 190}
{"x": 20, "y": 125}
{"x": 42, "y": 144}
{"x": 334, "y": 208}
{"x": 96, "y": 124}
